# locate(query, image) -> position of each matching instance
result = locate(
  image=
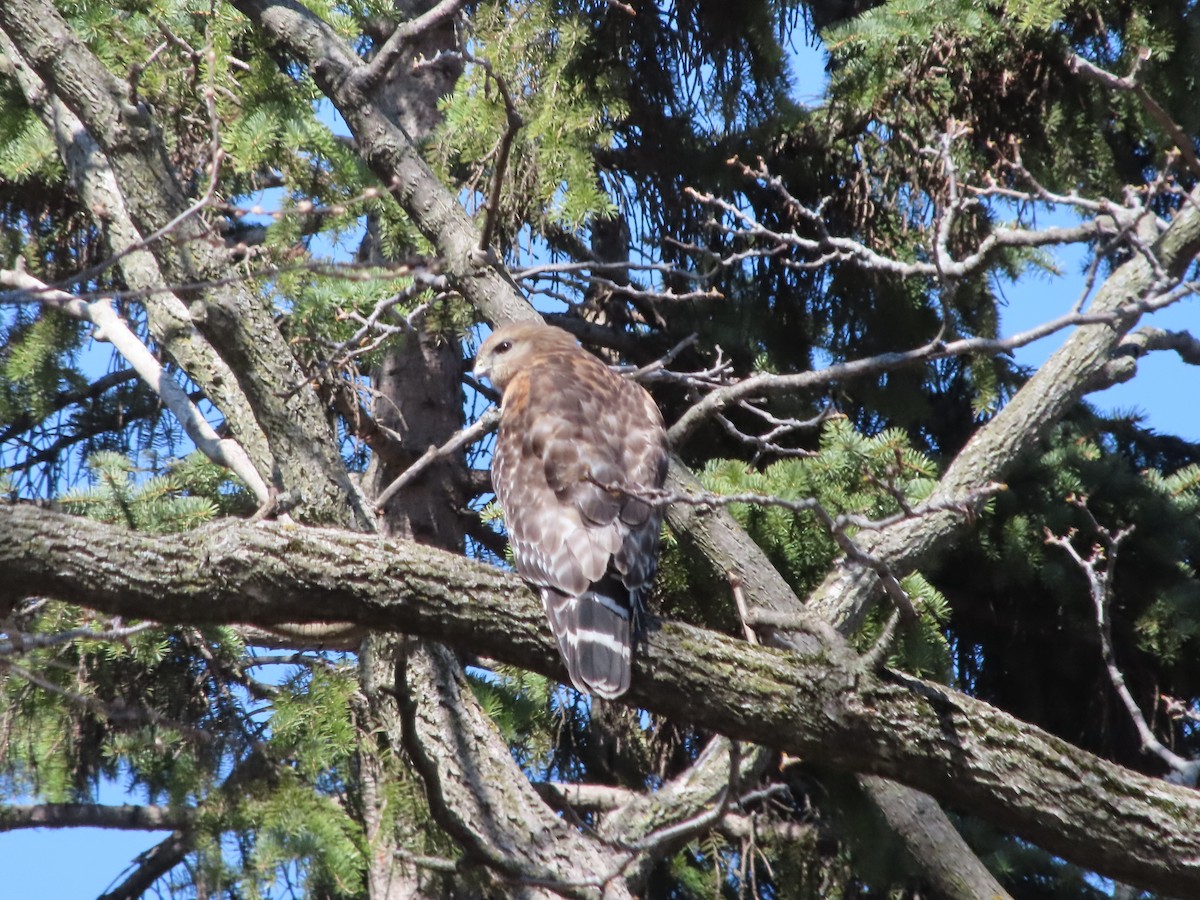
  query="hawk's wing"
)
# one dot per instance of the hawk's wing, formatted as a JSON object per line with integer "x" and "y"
{"x": 576, "y": 445}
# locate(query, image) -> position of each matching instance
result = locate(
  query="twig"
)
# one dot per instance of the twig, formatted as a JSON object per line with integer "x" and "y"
{"x": 112, "y": 713}
{"x": 22, "y": 642}
{"x": 827, "y": 247}
{"x": 834, "y": 522}
{"x": 743, "y": 608}
{"x": 467, "y": 436}
{"x": 595, "y": 266}
{"x": 138, "y": 68}
{"x": 205, "y": 200}
{"x": 1098, "y": 569}
{"x": 355, "y": 345}
{"x": 663, "y": 361}
{"x": 368, "y": 76}
{"x": 876, "y": 656}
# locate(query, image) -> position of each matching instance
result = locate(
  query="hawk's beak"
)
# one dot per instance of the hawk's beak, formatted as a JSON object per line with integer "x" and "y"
{"x": 481, "y": 370}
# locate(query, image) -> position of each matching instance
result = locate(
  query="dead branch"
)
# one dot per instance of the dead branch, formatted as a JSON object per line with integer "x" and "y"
{"x": 1098, "y": 568}
{"x": 1131, "y": 84}
{"x": 463, "y": 438}
{"x": 110, "y": 327}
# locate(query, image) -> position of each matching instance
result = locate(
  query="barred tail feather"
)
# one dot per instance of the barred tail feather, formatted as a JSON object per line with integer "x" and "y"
{"x": 595, "y": 635}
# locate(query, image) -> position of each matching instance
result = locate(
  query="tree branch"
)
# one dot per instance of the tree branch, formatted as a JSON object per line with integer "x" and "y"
{"x": 151, "y": 866}
{"x": 1098, "y": 568}
{"x": 95, "y": 815}
{"x": 846, "y": 594}
{"x": 370, "y": 75}
{"x": 766, "y": 384}
{"x": 482, "y": 798}
{"x": 812, "y": 705}
{"x": 23, "y": 422}
{"x": 110, "y": 327}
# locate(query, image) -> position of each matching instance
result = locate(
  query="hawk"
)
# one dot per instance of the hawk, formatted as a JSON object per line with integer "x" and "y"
{"x": 578, "y": 449}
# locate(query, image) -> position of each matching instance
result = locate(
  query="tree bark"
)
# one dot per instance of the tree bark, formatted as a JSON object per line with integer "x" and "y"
{"x": 483, "y": 799}
{"x": 94, "y": 815}
{"x": 811, "y": 705}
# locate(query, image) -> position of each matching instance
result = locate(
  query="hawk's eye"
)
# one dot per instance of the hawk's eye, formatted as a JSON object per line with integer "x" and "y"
{"x": 503, "y": 347}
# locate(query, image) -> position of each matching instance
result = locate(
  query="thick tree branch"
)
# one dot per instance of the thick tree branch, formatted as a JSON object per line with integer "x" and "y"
{"x": 1137, "y": 344}
{"x": 482, "y": 798}
{"x": 848, "y": 592}
{"x": 947, "y": 861}
{"x": 937, "y": 740}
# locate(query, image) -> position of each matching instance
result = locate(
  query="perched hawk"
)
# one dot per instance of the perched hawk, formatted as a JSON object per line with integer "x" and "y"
{"x": 577, "y": 444}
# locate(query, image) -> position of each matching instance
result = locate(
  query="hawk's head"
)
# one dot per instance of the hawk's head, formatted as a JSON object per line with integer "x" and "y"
{"x": 513, "y": 348}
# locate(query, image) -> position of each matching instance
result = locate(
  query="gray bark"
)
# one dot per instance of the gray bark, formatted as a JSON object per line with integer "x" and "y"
{"x": 483, "y": 799}
{"x": 811, "y": 705}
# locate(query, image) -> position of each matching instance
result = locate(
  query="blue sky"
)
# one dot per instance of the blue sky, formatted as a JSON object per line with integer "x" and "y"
{"x": 80, "y": 863}
{"x": 1164, "y": 388}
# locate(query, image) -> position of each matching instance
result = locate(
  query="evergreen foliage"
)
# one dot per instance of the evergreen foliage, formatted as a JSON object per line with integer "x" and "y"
{"x": 646, "y": 142}
{"x": 532, "y": 63}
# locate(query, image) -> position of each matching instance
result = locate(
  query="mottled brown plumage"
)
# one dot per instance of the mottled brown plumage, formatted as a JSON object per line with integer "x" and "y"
{"x": 577, "y": 446}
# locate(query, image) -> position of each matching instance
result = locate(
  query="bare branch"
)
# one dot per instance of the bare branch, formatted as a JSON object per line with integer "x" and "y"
{"x": 769, "y": 383}
{"x": 21, "y": 642}
{"x": 370, "y": 75}
{"x": 64, "y": 399}
{"x": 827, "y": 248}
{"x": 1131, "y": 84}
{"x": 1098, "y": 569}
{"x": 512, "y": 124}
{"x": 95, "y": 815}
{"x": 463, "y": 438}
{"x": 110, "y": 327}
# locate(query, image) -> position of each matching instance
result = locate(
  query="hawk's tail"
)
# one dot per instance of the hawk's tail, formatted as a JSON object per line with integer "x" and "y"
{"x": 595, "y": 635}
